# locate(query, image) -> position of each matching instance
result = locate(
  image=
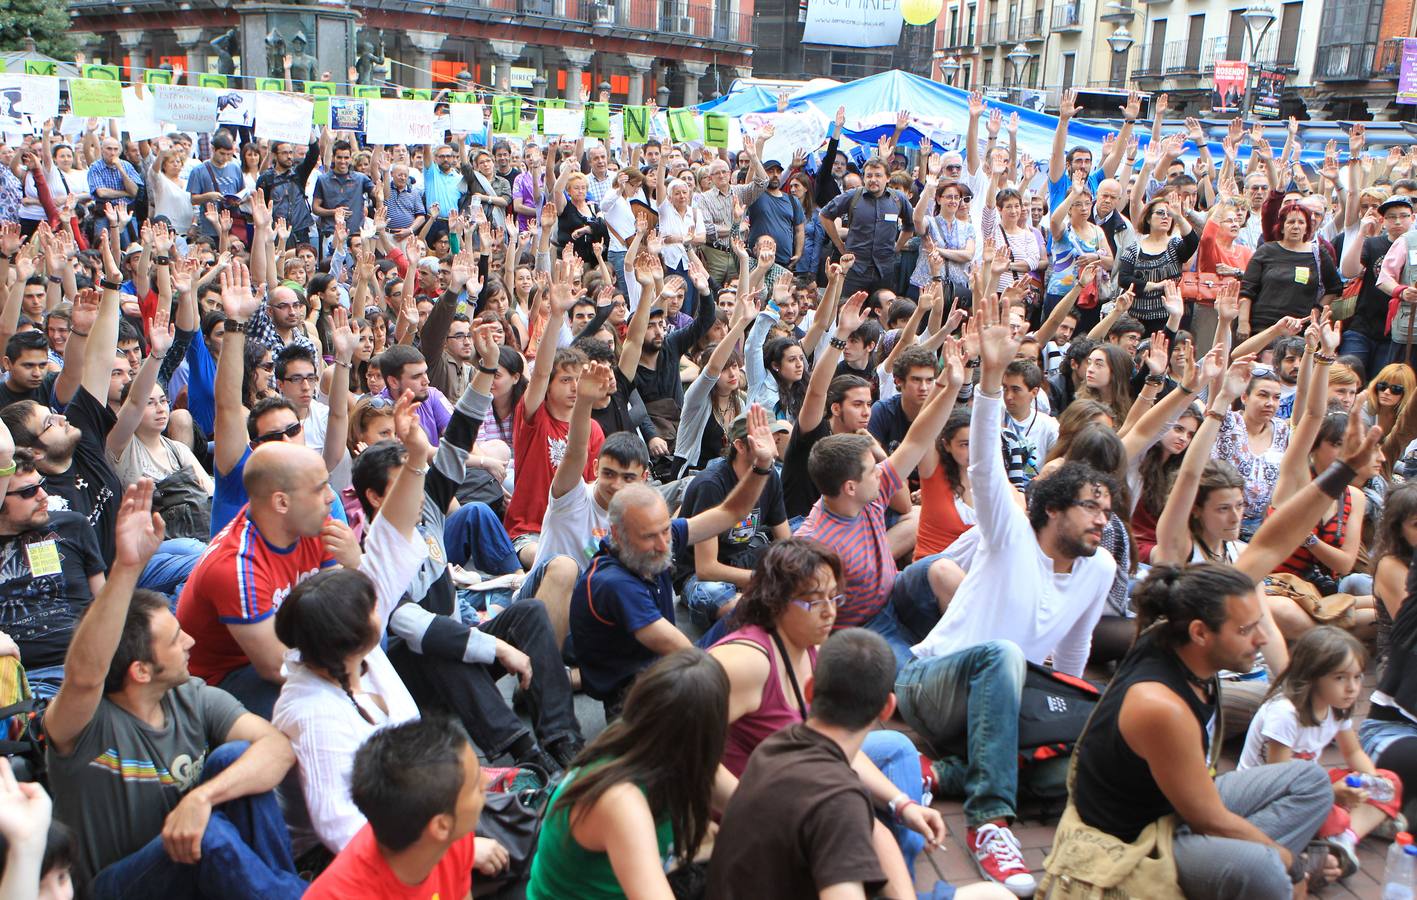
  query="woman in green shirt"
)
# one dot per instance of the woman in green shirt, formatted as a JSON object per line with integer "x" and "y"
{"x": 638, "y": 796}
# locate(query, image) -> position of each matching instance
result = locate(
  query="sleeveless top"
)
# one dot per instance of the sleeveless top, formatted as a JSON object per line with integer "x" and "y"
{"x": 1115, "y": 791}
{"x": 563, "y": 868}
{"x": 1331, "y": 531}
{"x": 775, "y": 712}
{"x": 940, "y": 520}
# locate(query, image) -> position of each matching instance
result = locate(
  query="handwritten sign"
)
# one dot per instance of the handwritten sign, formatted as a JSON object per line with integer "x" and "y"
{"x": 283, "y": 117}
{"x": 401, "y": 122}
{"x": 96, "y": 98}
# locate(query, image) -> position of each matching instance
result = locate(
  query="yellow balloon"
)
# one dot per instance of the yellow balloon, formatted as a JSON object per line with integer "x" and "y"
{"x": 920, "y": 12}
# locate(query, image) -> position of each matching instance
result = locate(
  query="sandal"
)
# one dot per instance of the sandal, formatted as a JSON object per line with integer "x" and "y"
{"x": 1309, "y": 865}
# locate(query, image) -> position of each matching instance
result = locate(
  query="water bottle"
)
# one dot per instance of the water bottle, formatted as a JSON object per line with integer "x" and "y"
{"x": 1379, "y": 789}
{"x": 1401, "y": 877}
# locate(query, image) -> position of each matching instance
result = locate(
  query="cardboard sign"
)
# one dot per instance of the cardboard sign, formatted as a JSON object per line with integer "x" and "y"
{"x": 716, "y": 130}
{"x": 563, "y": 122}
{"x": 157, "y": 76}
{"x": 211, "y": 80}
{"x": 597, "y": 120}
{"x": 106, "y": 73}
{"x": 187, "y": 108}
{"x": 96, "y": 98}
{"x": 506, "y": 115}
{"x": 684, "y": 125}
{"x": 139, "y": 113}
{"x": 635, "y": 122}
{"x": 466, "y": 118}
{"x": 26, "y": 101}
{"x": 417, "y": 94}
{"x": 322, "y": 91}
{"x": 367, "y": 91}
{"x": 270, "y": 84}
{"x": 283, "y": 117}
{"x": 347, "y": 114}
{"x": 41, "y": 67}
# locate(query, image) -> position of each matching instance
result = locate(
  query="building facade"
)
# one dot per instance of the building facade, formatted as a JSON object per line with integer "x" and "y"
{"x": 674, "y": 51}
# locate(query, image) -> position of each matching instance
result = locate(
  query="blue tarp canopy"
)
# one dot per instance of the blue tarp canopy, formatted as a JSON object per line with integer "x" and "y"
{"x": 751, "y": 99}
{"x": 895, "y": 90}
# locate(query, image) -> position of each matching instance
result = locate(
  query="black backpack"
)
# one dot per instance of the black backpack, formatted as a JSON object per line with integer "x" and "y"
{"x": 1051, "y": 716}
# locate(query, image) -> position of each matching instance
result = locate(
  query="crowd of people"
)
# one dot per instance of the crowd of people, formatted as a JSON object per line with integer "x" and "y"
{"x": 332, "y": 474}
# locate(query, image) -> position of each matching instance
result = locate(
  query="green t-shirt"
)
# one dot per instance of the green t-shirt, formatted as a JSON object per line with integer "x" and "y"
{"x": 563, "y": 868}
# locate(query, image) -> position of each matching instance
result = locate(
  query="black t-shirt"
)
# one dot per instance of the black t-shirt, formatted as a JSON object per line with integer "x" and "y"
{"x": 742, "y": 544}
{"x": 90, "y": 486}
{"x": 44, "y": 586}
{"x": 800, "y": 821}
{"x": 846, "y": 368}
{"x": 1370, "y": 317}
{"x": 798, "y": 490}
{"x": 43, "y": 395}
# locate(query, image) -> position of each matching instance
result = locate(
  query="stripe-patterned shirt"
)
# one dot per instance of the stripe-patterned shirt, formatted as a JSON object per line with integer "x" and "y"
{"x": 865, "y": 554}
{"x": 242, "y": 579}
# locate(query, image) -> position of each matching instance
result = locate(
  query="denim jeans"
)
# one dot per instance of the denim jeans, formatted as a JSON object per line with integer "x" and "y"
{"x": 616, "y": 258}
{"x": 473, "y": 534}
{"x": 895, "y": 755}
{"x": 170, "y": 567}
{"x": 972, "y": 695}
{"x": 255, "y": 693}
{"x": 470, "y": 691}
{"x": 245, "y": 853}
{"x": 1287, "y": 801}
{"x": 706, "y": 598}
{"x": 1359, "y": 345}
{"x": 1376, "y": 735}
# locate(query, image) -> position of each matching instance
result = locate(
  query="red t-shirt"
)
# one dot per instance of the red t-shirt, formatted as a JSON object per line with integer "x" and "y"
{"x": 240, "y": 580}
{"x": 538, "y": 446}
{"x": 360, "y": 871}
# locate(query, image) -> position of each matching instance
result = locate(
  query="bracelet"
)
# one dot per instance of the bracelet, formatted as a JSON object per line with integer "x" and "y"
{"x": 111, "y": 285}
{"x": 487, "y": 370}
{"x": 1215, "y": 414}
{"x": 162, "y": 260}
{"x": 416, "y": 471}
{"x": 239, "y": 323}
{"x": 75, "y": 331}
{"x": 11, "y": 256}
{"x": 1335, "y": 479}
{"x": 1185, "y": 390}
{"x": 1323, "y": 359}
{"x": 757, "y": 471}
{"x": 344, "y": 365}
{"x": 1158, "y": 380}
{"x": 838, "y": 343}
{"x": 55, "y": 279}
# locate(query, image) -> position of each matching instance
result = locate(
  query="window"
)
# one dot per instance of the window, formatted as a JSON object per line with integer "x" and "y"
{"x": 1069, "y": 64}
{"x": 952, "y": 35}
{"x": 1235, "y": 43}
{"x": 1288, "y": 49}
{"x": 988, "y": 71}
{"x": 969, "y": 24}
{"x": 1194, "y": 39}
{"x": 1158, "y": 44}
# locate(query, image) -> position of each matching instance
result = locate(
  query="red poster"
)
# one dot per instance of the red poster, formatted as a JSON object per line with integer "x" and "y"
{"x": 1228, "y": 93}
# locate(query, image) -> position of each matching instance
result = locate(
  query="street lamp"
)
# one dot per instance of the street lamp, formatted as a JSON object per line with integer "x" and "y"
{"x": 949, "y": 68}
{"x": 1019, "y": 56}
{"x": 1258, "y": 17}
{"x": 1120, "y": 41}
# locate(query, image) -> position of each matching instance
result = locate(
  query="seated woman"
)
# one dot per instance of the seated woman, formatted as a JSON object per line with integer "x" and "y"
{"x": 626, "y": 805}
{"x": 787, "y": 610}
{"x": 1393, "y": 545}
{"x": 946, "y": 497}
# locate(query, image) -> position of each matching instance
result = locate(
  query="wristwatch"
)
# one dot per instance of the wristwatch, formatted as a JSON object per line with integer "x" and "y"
{"x": 757, "y": 471}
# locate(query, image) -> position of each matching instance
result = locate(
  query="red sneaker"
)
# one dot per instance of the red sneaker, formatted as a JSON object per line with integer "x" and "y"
{"x": 1000, "y": 859}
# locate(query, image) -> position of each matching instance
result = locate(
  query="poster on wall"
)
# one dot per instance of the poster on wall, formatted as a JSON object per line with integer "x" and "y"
{"x": 1228, "y": 91}
{"x": 853, "y": 23}
{"x": 1269, "y": 86}
{"x": 1407, "y": 74}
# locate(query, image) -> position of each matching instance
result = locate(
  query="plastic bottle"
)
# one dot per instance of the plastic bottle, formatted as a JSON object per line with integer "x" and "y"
{"x": 1400, "y": 880}
{"x": 1378, "y": 788}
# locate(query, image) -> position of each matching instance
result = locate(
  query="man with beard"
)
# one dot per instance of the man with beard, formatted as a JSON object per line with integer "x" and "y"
{"x": 1287, "y": 352}
{"x": 284, "y": 186}
{"x": 50, "y": 569}
{"x": 622, "y": 608}
{"x": 404, "y": 369}
{"x": 779, "y": 215}
{"x": 1036, "y": 587}
{"x": 280, "y": 320}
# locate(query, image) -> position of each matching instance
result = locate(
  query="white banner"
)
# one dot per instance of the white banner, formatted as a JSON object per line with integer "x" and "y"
{"x": 853, "y": 23}
{"x": 186, "y": 108}
{"x": 564, "y": 122}
{"x": 283, "y": 117}
{"x": 466, "y": 118}
{"x": 401, "y": 122}
{"x": 139, "y": 115}
{"x": 26, "y": 101}
{"x": 237, "y": 108}
{"x": 802, "y": 130}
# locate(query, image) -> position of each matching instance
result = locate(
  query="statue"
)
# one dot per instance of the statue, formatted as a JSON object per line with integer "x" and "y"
{"x": 222, "y": 46}
{"x": 303, "y": 66}
{"x": 275, "y": 54}
{"x": 370, "y": 64}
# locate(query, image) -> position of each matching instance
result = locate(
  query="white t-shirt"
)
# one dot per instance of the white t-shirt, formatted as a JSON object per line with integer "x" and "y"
{"x": 573, "y": 526}
{"x": 314, "y": 425}
{"x": 1278, "y": 720}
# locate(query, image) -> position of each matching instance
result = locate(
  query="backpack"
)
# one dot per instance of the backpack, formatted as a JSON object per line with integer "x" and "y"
{"x": 1052, "y": 712}
{"x": 21, "y": 734}
{"x": 517, "y": 800}
{"x": 1404, "y": 323}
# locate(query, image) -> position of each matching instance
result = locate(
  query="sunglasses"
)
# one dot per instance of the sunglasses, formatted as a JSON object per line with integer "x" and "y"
{"x": 380, "y": 403}
{"x": 1397, "y": 389}
{"x": 26, "y": 493}
{"x": 288, "y": 431}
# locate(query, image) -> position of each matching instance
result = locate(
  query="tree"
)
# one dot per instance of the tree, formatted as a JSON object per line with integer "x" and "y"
{"x": 44, "y": 20}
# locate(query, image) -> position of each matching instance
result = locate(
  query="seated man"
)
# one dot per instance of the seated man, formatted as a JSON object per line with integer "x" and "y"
{"x": 856, "y": 487}
{"x": 284, "y": 535}
{"x": 714, "y": 571}
{"x": 622, "y": 608}
{"x": 52, "y": 569}
{"x": 441, "y": 657}
{"x": 420, "y": 786}
{"x": 1035, "y": 588}
{"x": 167, "y": 781}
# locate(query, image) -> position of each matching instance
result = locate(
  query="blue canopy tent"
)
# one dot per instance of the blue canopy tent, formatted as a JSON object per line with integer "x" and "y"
{"x": 750, "y": 99}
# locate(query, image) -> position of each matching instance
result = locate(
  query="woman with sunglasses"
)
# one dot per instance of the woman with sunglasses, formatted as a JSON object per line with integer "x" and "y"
{"x": 937, "y": 218}
{"x": 1387, "y": 403}
{"x": 786, "y": 612}
{"x": 1166, "y": 244}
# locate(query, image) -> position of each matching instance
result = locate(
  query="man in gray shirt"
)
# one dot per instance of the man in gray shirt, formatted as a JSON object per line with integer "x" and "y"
{"x": 878, "y": 224}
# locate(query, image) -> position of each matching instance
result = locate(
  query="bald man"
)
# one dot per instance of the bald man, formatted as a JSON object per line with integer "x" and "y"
{"x": 622, "y": 607}
{"x": 281, "y": 537}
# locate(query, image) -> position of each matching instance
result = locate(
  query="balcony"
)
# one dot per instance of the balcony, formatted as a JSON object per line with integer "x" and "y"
{"x": 1067, "y": 18}
{"x": 1348, "y": 62}
{"x": 670, "y": 20}
{"x": 994, "y": 33}
{"x": 1149, "y": 61}
{"x": 1027, "y": 28}
{"x": 1183, "y": 57}
{"x": 1389, "y": 60}
{"x": 1118, "y": 11}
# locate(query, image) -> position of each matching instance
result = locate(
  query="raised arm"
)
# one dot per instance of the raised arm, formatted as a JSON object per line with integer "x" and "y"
{"x": 814, "y": 402}
{"x": 597, "y": 383}
{"x": 738, "y": 505}
{"x": 561, "y": 300}
{"x": 1067, "y": 107}
{"x": 931, "y": 420}
{"x": 130, "y": 416}
{"x": 103, "y": 339}
{"x": 240, "y": 303}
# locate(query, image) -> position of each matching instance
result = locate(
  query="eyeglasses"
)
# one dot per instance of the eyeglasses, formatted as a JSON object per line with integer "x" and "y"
{"x": 287, "y": 307}
{"x": 298, "y": 380}
{"x": 157, "y": 402}
{"x": 1397, "y": 389}
{"x": 1093, "y": 507}
{"x": 462, "y": 336}
{"x": 1161, "y": 212}
{"x": 49, "y": 422}
{"x": 818, "y": 606}
{"x": 27, "y": 492}
{"x": 288, "y": 431}
{"x": 953, "y": 167}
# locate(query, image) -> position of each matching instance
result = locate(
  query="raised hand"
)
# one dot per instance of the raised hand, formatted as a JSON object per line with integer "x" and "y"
{"x": 25, "y": 812}
{"x": 997, "y": 344}
{"x": 1171, "y": 298}
{"x": 1158, "y": 355}
{"x": 976, "y": 104}
{"x": 162, "y": 332}
{"x": 1068, "y": 106}
{"x": 139, "y": 531}
{"x": 238, "y": 299}
{"x": 597, "y": 383}
{"x": 345, "y": 338}
{"x": 852, "y": 316}
{"x": 759, "y": 437}
{"x": 338, "y": 538}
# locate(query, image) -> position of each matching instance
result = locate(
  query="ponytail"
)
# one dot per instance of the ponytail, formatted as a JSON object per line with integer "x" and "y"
{"x": 326, "y": 619}
{"x": 1172, "y": 597}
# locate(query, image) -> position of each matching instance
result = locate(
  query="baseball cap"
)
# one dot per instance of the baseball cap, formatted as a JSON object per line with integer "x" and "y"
{"x": 1398, "y": 200}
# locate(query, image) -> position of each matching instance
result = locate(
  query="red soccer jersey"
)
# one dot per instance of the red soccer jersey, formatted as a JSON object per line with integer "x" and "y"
{"x": 241, "y": 579}
{"x": 539, "y": 445}
{"x": 360, "y": 871}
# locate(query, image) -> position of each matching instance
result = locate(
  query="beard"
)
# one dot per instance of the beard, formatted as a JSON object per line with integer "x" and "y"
{"x": 646, "y": 565}
{"x": 1077, "y": 546}
{"x": 774, "y": 182}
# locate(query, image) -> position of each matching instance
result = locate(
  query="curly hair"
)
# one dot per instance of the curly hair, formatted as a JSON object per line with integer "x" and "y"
{"x": 785, "y": 570}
